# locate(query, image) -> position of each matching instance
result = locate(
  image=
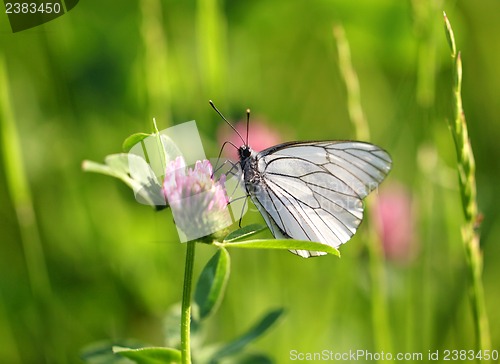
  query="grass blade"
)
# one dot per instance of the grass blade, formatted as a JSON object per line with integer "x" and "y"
{"x": 467, "y": 181}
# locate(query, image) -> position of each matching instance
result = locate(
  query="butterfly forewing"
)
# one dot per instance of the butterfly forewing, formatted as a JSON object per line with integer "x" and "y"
{"x": 313, "y": 190}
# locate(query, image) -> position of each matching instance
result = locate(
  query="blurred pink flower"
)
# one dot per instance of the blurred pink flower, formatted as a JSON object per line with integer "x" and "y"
{"x": 198, "y": 202}
{"x": 394, "y": 220}
{"x": 260, "y": 136}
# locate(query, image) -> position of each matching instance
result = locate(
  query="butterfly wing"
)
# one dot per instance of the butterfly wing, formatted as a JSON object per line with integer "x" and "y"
{"x": 314, "y": 190}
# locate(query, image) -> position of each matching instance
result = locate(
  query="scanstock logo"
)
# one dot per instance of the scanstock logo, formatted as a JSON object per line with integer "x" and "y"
{"x": 26, "y": 14}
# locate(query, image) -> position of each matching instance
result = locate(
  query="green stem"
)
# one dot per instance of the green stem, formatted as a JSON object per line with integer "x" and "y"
{"x": 467, "y": 183}
{"x": 186, "y": 304}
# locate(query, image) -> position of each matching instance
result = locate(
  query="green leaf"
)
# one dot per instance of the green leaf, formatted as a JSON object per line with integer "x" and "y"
{"x": 288, "y": 244}
{"x": 258, "y": 330}
{"x": 244, "y": 232}
{"x": 212, "y": 283}
{"x": 102, "y": 352}
{"x": 152, "y": 355}
{"x": 170, "y": 149}
{"x": 142, "y": 168}
{"x": 135, "y": 173}
{"x": 133, "y": 140}
{"x": 157, "y": 150}
{"x": 156, "y": 145}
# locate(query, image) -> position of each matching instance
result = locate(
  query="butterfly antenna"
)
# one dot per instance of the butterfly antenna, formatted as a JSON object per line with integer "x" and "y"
{"x": 220, "y": 153}
{"x": 248, "y": 123}
{"x": 223, "y": 118}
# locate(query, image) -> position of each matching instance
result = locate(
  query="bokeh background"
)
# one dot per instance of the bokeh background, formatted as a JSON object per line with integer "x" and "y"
{"x": 82, "y": 262}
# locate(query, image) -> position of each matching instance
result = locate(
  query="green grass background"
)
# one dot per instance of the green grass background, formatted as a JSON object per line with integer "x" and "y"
{"x": 81, "y": 261}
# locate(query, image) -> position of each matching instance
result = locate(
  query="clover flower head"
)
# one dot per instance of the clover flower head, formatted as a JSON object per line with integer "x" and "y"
{"x": 198, "y": 201}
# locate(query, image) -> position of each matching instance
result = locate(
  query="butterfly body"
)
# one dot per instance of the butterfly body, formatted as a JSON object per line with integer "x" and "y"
{"x": 248, "y": 164}
{"x": 313, "y": 190}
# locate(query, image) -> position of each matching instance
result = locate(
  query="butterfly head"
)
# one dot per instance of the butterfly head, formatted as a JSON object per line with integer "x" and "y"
{"x": 244, "y": 152}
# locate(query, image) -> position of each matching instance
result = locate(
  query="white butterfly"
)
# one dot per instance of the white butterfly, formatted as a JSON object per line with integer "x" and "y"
{"x": 313, "y": 190}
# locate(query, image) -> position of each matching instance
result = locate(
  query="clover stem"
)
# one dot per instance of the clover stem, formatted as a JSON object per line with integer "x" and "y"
{"x": 186, "y": 304}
